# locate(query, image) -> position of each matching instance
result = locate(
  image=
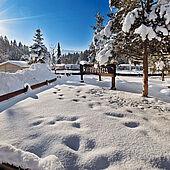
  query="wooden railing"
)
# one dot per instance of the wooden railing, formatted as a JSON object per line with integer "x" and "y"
{"x": 24, "y": 90}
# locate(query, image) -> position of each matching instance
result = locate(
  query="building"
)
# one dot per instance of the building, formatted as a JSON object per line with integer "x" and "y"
{"x": 12, "y": 66}
{"x": 130, "y": 67}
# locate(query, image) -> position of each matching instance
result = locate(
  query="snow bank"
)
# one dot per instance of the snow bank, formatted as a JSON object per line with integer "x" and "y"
{"x": 14, "y": 81}
{"x": 17, "y": 157}
{"x": 89, "y": 127}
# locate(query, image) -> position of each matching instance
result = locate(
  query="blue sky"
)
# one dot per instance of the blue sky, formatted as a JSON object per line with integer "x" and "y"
{"x": 64, "y": 21}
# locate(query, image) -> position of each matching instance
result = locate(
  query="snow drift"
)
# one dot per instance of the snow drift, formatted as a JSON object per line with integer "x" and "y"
{"x": 14, "y": 81}
{"x": 17, "y": 157}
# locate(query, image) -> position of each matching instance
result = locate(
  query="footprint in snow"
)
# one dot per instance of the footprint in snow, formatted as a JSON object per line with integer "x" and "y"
{"x": 75, "y": 100}
{"x": 160, "y": 162}
{"x": 98, "y": 162}
{"x": 72, "y": 118}
{"x": 92, "y": 105}
{"x": 33, "y": 136}
{"x": 66, "y": 118}
{"x": 37, "y": 123}
{"x": 51, "y": 122}
{"x": 131, "y": 124}
{"x": 61, "y": 95}
{"x": 146, "y": 119}
{"x": 60, "y": 118}
{"x": 84, "y": 97}
{"x": 76, "y": 125}
{"x": 57, "y": 89}
{"x": 129, "y": 111}
{"x": 73, "y": 142}
{"x": 55, "y": 92}
{"x": 60, "y": 98}
{"x": 119, "y": 115}
{"x": 90, "y": 144}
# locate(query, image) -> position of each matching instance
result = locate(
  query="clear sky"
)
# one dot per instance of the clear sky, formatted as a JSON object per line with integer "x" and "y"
{"x": 64, "y": 21}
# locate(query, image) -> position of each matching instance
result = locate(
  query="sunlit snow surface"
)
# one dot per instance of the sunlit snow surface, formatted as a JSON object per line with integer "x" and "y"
{"x": 87, "y": 126}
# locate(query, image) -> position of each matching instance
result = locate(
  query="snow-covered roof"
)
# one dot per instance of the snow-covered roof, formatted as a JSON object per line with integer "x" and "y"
{"x": 130, "y": 65}
{"x": 18, "y": 63}
{"x": 60, "y": 65}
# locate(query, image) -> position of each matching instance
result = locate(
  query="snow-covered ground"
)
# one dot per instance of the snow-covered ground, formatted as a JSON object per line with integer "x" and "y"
{"x": 82, "y": 126}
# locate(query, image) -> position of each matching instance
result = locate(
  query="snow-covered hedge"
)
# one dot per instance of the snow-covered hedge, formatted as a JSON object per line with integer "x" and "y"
{"x": 14, "y": 81}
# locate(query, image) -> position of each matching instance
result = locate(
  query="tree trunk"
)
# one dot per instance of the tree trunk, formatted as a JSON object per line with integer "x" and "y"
{"x": 163, "y": 75}
{"x": 145, "y": 71}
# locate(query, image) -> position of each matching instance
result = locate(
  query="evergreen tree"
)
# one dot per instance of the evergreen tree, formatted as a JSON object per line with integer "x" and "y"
{"x": 145, "y": 33}
{"x": 58, "y": 54}
{"x": 38, "y": 48}
{"x": 53, "y": 52}
{"x": 20, "y": 46}
{"x": 15, "y": 43}
{"x": 99, "y": 23}
{"x": 9, "y": 51}
{"x": 97, "y": 29}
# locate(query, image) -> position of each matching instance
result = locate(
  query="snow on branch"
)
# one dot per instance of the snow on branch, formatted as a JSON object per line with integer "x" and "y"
{"x": 153, "y": 23}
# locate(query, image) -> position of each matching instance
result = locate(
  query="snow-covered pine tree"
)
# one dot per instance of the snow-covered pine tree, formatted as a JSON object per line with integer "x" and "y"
{"x": 146, "y": 33}
{"x": 38, "y": 48}
{"x": 10, "y": 50}
{"x": 104, "y": 41}
{"x": 53, "y": 52}
{"x": 160, "y": 63}
{"x": 92, "y": 56}
{"x": 97, "y": 29}
{"x": 15, "y": 43}
{"x": 114, "y": 28}
{"x": 99, "y": 23}
{"x": 58, "y": 54}
{"x": 4, "y": 49}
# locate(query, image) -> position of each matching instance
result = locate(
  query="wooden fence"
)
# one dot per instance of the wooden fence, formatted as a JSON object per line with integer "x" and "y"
{"x": 24, "y": 90}
{"x": 6, "y": 166}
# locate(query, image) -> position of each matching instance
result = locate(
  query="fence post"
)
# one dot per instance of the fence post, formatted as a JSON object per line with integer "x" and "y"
{"x": 113, "y": 83}
{"x": 81, "y": 73}
{"x": 100, "y": 78}
{"x": 112, "y": 70}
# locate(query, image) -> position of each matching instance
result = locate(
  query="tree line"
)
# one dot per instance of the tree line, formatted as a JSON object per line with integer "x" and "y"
{"x": 38, "y": 52}
{"x": 11, "y": 50}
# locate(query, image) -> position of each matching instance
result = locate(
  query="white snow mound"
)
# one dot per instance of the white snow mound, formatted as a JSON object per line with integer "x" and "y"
{"x": 17, "y": 157}
{"x": 37, "y": 73}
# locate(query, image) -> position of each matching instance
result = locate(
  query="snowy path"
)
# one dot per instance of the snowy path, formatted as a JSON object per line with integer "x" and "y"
{"x": 90, "y": 127}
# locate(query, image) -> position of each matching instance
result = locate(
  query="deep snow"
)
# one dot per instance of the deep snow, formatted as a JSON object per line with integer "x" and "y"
{"x": 37, "y": 73}
{"x": 88, "y": 126}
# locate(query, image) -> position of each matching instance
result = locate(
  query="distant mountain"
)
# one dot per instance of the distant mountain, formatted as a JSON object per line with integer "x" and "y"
{"x": 69, "y": 51}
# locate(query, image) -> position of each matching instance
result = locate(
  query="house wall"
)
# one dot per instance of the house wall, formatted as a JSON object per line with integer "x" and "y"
{"x": 11, "y": 68}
